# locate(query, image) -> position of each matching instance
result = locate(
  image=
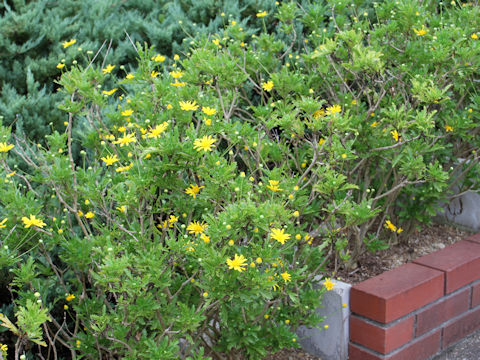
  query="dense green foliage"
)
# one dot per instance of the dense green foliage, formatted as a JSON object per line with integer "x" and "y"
{"x": 32, "y": 33}
{"x": 210, "y": 188}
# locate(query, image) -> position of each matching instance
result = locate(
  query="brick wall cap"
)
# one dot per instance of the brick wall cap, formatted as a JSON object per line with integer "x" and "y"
{"x": 451, "y": 257}
{"x": 398, "y": 280}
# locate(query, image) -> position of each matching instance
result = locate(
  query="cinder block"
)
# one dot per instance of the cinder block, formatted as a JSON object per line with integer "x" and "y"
{"x": 397, "y": 292}
{"x": 332, "y": 343}
{"x": 460, "y": 262}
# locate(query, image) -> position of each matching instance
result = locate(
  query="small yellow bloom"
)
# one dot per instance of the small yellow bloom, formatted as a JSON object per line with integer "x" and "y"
{"x": 110, "y": 159}
{"x": 127, "y": 112}
{"x": 474, "y": 36}
{"x": 390, "y": 226}
{"x": 188, "y": 105}
{"x": 129, "y": 76}
{"x": 125, "y": 140}
{"x": 4, "y": 348}
{"x": 193, "y": 190}
{"x": 334, "y": 109}
{"x": 329, "y": 284}
{"x": 60, "y": 66}
{"x": 205, "y": 238}
{"x": 231, "y": 242}
{"x": 470, "y": 110}
{"x": 60, "y": 231}
{"x": 286, "y": 276}
{"x": 259, "y": 260}
{"x": 4, "y": 147}
{"x": 109, "y": 92}
{"x": 261, "y": 14}
{"x": 238, "y": 263}
{"x": 68, "y": 43}
{"x": 89, "y": 215}
{"x": 209, "y": 111}
{"x": 158, "y": 58}
{"x": 2, "y": 223}
{"x": 65, "y": 307}
{"x": 33, "y": 221}
{"x": 205, "y": 143}
{"x": 354, "y": 102}
{"x": 108, "y": 69}
{"x": 70, "y": 297}
{"x": 395, "y": 135}
{"x": 178, "y": 84}
{"x": 273, "y": 185}
{"x": 196, "y": 227}
{"x": 421, "y": 32}
{"x": 268, "y": 86}
{"x": 154, "y": 74}
{"x": 374, "y": 124}
{"x": 124, "y": 168}
{"x": 78, "y": 343}
{"x": 296, "y": 213}
{"x": 205, "y": 294}
{"x": 176, "y": 57}
{"x": 448, "y": 128}
{"x": 176, "y": 74}
{"x": 157, "y": 130}
{"x": 279, "y": 235}
{"x": 325, "y": 327}
{"x": 344, "y": 156}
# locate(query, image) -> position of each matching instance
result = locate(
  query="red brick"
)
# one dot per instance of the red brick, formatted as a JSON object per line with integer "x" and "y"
{"x": 397, "y": 292}
{"x": 475, "y": 295}
{"x": 460, "y": 262}
{"x": 461, "y": 328}
{"x": 356, "y": 353}
{"x": 421, "y": 349}
{"x": 443, "y": 311}
{"x": 378, "y": 338}
{"x": 474, "y": 238}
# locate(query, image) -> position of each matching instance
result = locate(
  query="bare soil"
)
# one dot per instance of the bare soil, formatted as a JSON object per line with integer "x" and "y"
{"x": 421, "y": 243}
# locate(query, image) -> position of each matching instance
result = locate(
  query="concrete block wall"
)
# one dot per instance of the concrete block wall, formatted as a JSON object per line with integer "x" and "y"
{"x": 419, "y": 309}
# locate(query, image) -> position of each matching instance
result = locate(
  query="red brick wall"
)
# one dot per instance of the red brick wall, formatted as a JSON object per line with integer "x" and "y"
{"x": 418, "y": 309}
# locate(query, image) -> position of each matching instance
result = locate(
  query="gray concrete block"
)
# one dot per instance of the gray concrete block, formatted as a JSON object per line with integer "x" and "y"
{"x": 332, "y": 343}
{"x": 464, "y": 211}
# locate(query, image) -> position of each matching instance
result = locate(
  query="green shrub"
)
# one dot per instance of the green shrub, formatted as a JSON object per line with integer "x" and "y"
{"x": 341, "y": 137}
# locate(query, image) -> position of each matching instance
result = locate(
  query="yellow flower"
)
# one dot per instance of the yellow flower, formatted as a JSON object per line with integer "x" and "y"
{"x": 122, "y": 208}
{"x": 390, "y": 226}
{"x": 108, "y": 69}
{"x": 127, "y": 112}
{"x": 110, "y": 159}
{"x": 33, "y": 221}
{"x": 208, "y": 122}
{"x": 176, "y": 74}
{"x": 374, "y": 124}
{"x": 205, "y": 238}
{"x": 261, "y": 14}
{"x": 329, "y": 284}
{"x": 2, "y": 223}
{"x": 60, "y": 66}
{"x": 399, "y": 231}
{"x": 470, "y": 110}
{"x": 68, "y": 43}
{"x": 154, "y": 73}
{"x": 354, "y": 102}
{"x": 178, "y": 84}
{"x": 279, "y": 235}
{"x": 205, "y": 143}
{"x": 158, "y": 58}
{"x": 176, "y": 57}
{"x": 318, "y": 114}
{"x": 129, "y": 76}
{"x": 188, "y": 105}
{"x": 193, "y": 190}
{"x": 395, "y": 135}
{"x": 196, "y": 227}
{"x": 474, "y": 36}
{"x": 157, "y": 130}
{"x": 89, "y": 215}
{"x": 273, "y": 185}
{"x": 78, "y": 343}
{"x": 421, "y": 32}
{"x": 4, "y": 147}
{"x": 238, "y": 263}
{"x": 286, "y": 276}
{"x": 80, "y": 213}
{"x": 448, "y": 128}
{"x": 125, "y": 140}
{"x": 124, "y": 168}
{"x": 334, "y": 109}
{"x": 296, "y": 213}
{"x": 325, "y": 327}
{"x": 209, "y": 111}
{"x": 268, "y": 86}
{"x": 109, "y": 92}
{"x": 4, "y": 348}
